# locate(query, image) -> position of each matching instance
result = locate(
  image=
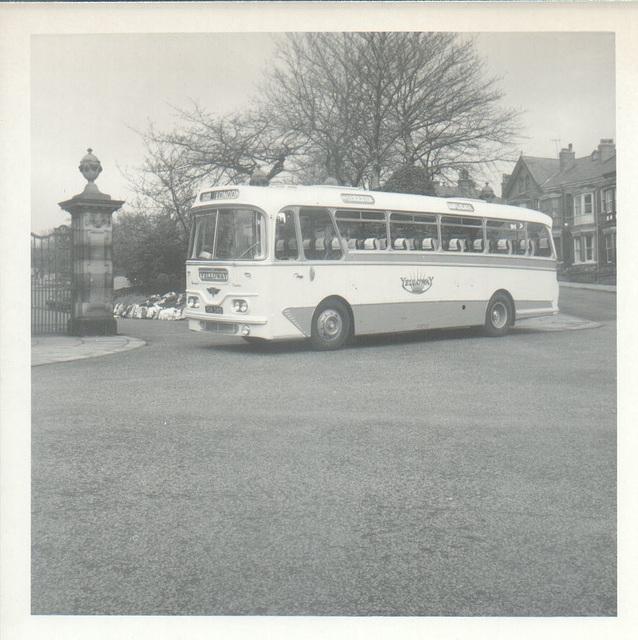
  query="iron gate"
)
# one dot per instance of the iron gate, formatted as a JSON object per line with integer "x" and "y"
{"x": 52, "y": 282}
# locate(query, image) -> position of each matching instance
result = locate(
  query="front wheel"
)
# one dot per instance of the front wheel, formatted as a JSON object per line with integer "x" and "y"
{"x": 331, "y": 326}
{"x": 499, "y": 316}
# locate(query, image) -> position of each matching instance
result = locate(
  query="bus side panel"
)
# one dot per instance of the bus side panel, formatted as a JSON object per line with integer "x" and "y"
{"x": 389, "y": 297}
{"x": 426, "y": 296}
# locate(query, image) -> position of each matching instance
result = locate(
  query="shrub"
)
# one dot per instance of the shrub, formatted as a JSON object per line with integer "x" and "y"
{"x": 410, "y": 179}
{"x": 150, "y": 250}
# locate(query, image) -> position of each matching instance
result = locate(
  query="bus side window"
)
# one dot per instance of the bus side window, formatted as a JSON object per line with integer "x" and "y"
{"x": 318, "y": 233}
{"x": 362, "y": 230}
{"x": 286, "y": 237}
{"x": 409, "y": 231}
{"x": 506, "y": 237}
{"x": 462, "y": 233}
{"x": 540, "y": 238}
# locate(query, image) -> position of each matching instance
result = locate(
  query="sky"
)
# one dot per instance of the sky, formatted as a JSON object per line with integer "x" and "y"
{"x": 97, "y": 91}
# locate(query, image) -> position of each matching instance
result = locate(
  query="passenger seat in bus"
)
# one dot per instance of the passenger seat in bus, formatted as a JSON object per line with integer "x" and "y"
{"x": 504, "y": 246}
{"x": 285, "y": 249}
{"x": 543, "y": 247}
{"x": 334, "y": 248}
{"x": 456, "y": 244}
{"x": 401, "y": 244}
{"x": 370, "y": 244}
{"x": 478, "y": 245}
{"x": 429, "y": 244}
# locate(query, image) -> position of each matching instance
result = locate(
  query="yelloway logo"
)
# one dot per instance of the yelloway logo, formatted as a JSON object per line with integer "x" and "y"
{"x": 417, "y": 283}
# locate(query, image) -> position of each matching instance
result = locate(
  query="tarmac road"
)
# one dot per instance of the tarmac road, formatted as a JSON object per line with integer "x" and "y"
{"x": 430, "y": 474}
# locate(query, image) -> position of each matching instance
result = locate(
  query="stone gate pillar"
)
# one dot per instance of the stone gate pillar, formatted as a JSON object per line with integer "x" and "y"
{"x": 91, "y": 213}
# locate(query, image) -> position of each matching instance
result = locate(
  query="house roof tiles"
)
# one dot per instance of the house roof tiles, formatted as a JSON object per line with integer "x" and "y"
{"x": 542, "y": 169}
{"x": 583, "y": 169}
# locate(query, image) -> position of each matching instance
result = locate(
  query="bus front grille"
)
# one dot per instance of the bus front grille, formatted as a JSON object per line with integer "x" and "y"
{"x": 221, "y": 327}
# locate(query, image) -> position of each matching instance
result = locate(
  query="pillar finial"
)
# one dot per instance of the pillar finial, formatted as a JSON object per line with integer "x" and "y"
{"x": 90, "y": 167}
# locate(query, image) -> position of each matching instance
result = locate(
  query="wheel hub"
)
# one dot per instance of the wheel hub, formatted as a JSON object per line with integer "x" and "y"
{"x": 499, "y": 315}
{"x": 330, "y": 324}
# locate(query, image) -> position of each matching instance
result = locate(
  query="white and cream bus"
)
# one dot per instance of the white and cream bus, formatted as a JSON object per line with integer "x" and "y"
{"x": 327, "y": 263}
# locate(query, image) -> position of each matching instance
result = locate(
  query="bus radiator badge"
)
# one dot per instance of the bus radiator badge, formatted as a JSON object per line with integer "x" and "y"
{"x": 417, "y": 283}
{"x": 213, "y": 291}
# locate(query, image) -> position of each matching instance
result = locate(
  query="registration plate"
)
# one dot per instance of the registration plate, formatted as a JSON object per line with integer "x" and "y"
{"x": 214, "y": 308}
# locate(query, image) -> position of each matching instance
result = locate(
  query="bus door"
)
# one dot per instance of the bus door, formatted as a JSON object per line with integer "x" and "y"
{"x": 321, "y": 247}
{"x": 291, "y": 272}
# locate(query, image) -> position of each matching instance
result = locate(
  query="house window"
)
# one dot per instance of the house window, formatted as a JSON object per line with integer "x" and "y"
{"x": 609, "y": 200}
{"x": 610, "y": 247}
{"x": 584, "y": 248}
{"x": 583, "y": 206}
{"x": 587, "y": 203}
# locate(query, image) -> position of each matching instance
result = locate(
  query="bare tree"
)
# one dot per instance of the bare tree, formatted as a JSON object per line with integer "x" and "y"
{"x": 313, "y": 94}
{"x": 355, "y": 106}
{"x": 166, "y": 182}
{"x": 230, "y": 148}
{"x": 367, "y": 103}
{"x": 203, "y": 149}
{"x": 447, "y": 108}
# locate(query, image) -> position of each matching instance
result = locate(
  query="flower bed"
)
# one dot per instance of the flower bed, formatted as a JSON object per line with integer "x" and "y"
{"x": 170, "y": 306}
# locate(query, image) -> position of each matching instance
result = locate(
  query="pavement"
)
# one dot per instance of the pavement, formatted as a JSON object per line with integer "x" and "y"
{"x": 611, "y": 288}
{"x": 51, "y": 349}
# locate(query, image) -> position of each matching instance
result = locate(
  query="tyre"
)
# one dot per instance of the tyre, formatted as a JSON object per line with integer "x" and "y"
{"x": 331, "y": 326}
{"x": 499, "y": 316}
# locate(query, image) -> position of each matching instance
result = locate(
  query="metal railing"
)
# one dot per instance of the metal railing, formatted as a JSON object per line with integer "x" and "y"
{"x": 52, "y": 281}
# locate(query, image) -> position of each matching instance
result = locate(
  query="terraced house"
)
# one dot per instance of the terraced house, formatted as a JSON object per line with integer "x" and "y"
{"x": 580, "y": 195}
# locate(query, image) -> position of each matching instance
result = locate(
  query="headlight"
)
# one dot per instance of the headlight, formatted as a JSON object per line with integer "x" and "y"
{"x": 240, "y": 306}
{"x": 192, "y": 302}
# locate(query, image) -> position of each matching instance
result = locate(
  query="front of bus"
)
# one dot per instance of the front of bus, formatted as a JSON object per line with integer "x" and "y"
{"x": 225, "y": 278}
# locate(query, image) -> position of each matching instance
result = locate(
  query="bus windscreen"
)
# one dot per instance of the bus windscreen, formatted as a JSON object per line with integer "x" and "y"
{"x": 229, "y": 234}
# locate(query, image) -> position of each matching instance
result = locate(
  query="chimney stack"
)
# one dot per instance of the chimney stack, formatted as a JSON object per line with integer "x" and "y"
{"x": 504, "y": 181}
{"x": 567, "y": 158}
{"x": 466, "y": 184}
{"x": 606, "y": 149}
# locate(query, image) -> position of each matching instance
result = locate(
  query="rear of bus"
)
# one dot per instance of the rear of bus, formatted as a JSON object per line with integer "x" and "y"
{"x": 226, "y": 281}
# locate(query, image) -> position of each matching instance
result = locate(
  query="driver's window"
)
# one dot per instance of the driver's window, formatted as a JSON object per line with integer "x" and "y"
{"x": 286, "y": 237}
{"x": 318, "y": 234}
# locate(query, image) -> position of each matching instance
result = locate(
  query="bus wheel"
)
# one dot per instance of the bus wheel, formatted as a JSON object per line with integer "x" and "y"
{"x": 330, "y": 326}
{"x": 499, "y": 315}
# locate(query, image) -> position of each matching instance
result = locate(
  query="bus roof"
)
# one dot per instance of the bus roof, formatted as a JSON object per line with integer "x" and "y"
{"x": 273, "y": 198}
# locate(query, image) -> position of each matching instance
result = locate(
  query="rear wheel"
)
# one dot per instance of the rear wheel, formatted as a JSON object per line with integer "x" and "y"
{"x": 499, "y": 316}
{"x": 331, "y": 326}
